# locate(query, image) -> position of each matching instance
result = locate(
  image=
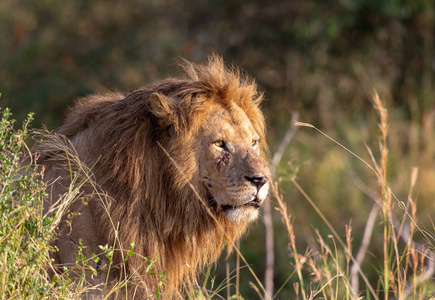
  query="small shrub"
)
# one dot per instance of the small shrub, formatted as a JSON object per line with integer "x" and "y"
{"x": 25, "y": 232}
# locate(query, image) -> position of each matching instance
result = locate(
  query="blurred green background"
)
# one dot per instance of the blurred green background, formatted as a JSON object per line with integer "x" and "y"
{"x": 320, "y": 58}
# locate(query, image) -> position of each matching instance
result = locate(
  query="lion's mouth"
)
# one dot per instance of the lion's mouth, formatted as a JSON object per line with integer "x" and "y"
{"x": 252, "y": 203}
{"x": 255, "y": 201}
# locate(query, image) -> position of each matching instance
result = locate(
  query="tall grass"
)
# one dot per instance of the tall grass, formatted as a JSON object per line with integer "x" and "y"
{"x": 25, "y": 232}
{"x": 407, "y": 267}
{"x": 340, "y": 264}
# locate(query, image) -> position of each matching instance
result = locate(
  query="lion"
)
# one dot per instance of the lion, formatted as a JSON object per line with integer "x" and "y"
{"x": 177, "y": 172}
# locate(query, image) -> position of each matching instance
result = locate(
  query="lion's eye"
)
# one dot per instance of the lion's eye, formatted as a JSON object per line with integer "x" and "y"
{"x": 254, "y": 143}
{"x": 220, "y": 144}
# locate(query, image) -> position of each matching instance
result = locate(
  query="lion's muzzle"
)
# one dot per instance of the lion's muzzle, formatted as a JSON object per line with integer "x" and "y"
{"x": 257, "y": 181}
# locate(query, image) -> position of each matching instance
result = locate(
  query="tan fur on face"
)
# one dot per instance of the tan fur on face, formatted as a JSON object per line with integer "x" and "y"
{"x": 169, "y": 188}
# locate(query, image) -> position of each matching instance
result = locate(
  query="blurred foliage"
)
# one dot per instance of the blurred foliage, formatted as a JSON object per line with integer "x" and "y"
{"x": 317, "y": 57}
{"x": 322, "y": 58}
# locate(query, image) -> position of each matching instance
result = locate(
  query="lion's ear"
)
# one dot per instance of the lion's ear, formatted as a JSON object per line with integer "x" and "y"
{"x": 164, "y": 108}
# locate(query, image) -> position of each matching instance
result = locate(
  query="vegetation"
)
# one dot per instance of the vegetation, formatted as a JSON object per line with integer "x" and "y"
{"x": 330, "y": 268}
{"x": 25, "y": 232}
{"x": 322, "y": 59}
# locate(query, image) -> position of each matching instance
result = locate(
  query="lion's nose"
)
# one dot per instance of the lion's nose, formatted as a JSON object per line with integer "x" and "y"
{"x": 258, "y": 181}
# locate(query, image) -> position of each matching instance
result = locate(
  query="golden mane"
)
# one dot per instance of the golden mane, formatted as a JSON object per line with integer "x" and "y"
{"x": 146, "y": 163}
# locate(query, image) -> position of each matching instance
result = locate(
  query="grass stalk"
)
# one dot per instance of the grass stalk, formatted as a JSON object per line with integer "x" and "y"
{"x": 385, "y": 195}
{"x": 289, "y": 227}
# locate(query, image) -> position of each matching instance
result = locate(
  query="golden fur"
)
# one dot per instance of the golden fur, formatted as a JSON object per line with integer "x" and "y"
{"x": 165, "y": 187}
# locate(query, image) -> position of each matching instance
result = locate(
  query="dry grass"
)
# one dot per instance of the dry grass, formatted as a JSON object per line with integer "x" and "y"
{"x": 343, "y": 266}
{"x": 407, "y": 266}
{"x": 328, "y": 262}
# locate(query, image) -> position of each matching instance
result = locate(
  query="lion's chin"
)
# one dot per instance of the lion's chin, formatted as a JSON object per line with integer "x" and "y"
{"x": 241, "y": 214}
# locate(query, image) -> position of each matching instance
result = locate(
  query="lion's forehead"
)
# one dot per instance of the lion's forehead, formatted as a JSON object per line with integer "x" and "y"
{"x": 230, "y": 123}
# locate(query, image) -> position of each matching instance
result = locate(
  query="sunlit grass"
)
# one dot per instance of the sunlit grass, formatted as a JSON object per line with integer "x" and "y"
{"x": 390, "y": 256}
{"x": 25, "y": 232}
{"x": 386, "y": 255}
{"x": 407, "y": 266}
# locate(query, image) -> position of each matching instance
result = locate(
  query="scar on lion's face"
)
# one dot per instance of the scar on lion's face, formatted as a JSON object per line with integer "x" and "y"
{"x": 225, "y": 159}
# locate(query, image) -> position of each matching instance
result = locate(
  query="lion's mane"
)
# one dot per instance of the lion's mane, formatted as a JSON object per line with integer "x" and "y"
{"x": 149, "y": 170}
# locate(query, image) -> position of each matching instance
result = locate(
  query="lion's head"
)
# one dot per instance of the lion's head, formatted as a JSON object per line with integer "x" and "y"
{"x": 234, "y": 173}
{"x": 182, "y": 162}
{"x": 229, "y": 160}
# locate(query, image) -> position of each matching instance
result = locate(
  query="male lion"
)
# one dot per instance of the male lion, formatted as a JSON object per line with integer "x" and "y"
{"x": 178, "y": 171}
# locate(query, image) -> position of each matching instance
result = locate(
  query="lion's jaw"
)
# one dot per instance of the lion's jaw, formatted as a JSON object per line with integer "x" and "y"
{"x": 233, "y": 172}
